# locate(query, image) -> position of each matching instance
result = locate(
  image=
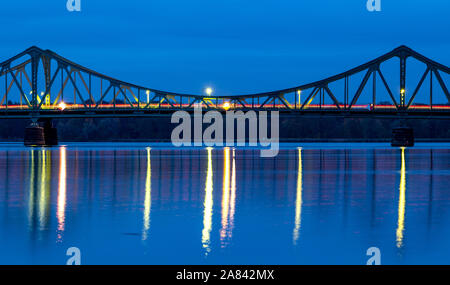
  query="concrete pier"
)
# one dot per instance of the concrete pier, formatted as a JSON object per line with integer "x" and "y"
{"x": 402, "y": 136}
{"x": 41, "y": 133}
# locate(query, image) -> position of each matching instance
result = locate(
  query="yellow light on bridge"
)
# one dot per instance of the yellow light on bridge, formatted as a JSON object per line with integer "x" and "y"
{"x": 209, "y": 91}
{"x": 226, "y": 106}
{"x": 62, "y": 106}
{"x": 402, "y": 97}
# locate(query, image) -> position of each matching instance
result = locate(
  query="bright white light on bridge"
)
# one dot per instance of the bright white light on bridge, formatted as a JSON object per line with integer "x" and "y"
{"x": 62, "y": 106}
{"x": 208, "y": 91}
{"x": 402, "y": 91}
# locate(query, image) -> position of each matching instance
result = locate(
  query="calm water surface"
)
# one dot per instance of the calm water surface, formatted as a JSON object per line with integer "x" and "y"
{"x": 154, "y": 204}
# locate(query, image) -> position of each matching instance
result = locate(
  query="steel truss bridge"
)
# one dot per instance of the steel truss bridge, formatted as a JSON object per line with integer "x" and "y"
{"x": 42, "y": 84}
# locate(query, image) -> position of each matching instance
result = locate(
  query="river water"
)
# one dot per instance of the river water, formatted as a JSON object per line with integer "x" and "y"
{"x": 156, "y": 204}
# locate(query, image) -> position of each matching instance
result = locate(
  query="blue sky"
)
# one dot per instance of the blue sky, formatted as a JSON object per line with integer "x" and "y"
{"x": 236, "y": 46}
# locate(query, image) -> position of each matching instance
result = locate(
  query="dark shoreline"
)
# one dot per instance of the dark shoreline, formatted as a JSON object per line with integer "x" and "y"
{"x": 290, "y": 130}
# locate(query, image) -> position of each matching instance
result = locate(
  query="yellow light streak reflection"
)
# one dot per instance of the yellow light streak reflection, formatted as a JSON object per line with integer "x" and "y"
{"x": 61, "y": 205}
{"x": 225, "y": 193}
{"x": 39, "y": 195}
{"x": 401, "y": 202}
{"x": 228, "y": 197}
{"x": 299, "y": 199}
{"x": 208, "y": 205}
{"x": 148, "y": 197}
{"x": 44, "y": 189}
{"x": 233, "y": 194}
{"x": 31, "y": 202}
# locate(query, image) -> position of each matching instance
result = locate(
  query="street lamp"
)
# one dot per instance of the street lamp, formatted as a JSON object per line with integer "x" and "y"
{"x": 208, "y": 91}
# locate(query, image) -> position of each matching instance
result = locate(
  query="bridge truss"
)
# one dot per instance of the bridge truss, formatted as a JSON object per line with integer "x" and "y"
{"x": 41, "y": 83}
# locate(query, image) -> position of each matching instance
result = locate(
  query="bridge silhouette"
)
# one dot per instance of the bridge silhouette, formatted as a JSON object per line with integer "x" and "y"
{"x": 45, "y": 84}
{"x": 42, "y": 85}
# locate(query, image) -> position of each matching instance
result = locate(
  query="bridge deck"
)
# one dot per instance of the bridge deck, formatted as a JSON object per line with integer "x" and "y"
{"x": 145, "y": 110}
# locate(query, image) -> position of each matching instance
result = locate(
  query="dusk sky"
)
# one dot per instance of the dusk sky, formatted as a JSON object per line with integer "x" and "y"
{"x": 235, "y": 46}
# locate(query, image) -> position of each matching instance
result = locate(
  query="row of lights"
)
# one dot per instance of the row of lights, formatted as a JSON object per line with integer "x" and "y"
{"x": 209, "y": 92}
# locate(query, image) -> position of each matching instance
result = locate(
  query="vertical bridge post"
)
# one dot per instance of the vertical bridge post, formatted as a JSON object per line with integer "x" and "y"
{"x": 34, "y": 77}
{"x": 402, "y": 79}
{"x": 47, "y": 74}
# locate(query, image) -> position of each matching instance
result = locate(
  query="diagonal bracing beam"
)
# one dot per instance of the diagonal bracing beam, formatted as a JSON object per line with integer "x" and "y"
{"x": 418, "y": 87}
{"x": 8, "y": 88}
{"x": 283, "y": 100}
{"x": 387, "y": 88}
{"x": 48, "y": 88}
{"x": 20, "y": 89}
{"x": 310, "y": 97}
{"x": 265, "y": 101}
{"x": 63, "y": 86}
{"x": 86, "y": 86}
{"x": 125, "y": 96}
{"x": 336, "y": 102}
{"x": 361, "y": 88}
{"x": 103, "y": 96}
{"x": 441, "y": 82}
{"x": 75, "y": 87}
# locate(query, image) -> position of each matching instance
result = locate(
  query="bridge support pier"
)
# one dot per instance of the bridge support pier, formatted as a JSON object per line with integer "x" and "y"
{"x": 41, "y": 133}
{"x": 403, "y": 137}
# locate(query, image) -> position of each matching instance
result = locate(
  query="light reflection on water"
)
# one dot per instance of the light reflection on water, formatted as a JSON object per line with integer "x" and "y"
{"x": 61, "y": 207}
{"x": 148, "y": 196}
{"x": 208, "y": 204}
{"x": 401, "y": 201}
{"x": 298, "y": 199}
{"x": 133, "y": 204}
{"x": 228, "y": 197}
